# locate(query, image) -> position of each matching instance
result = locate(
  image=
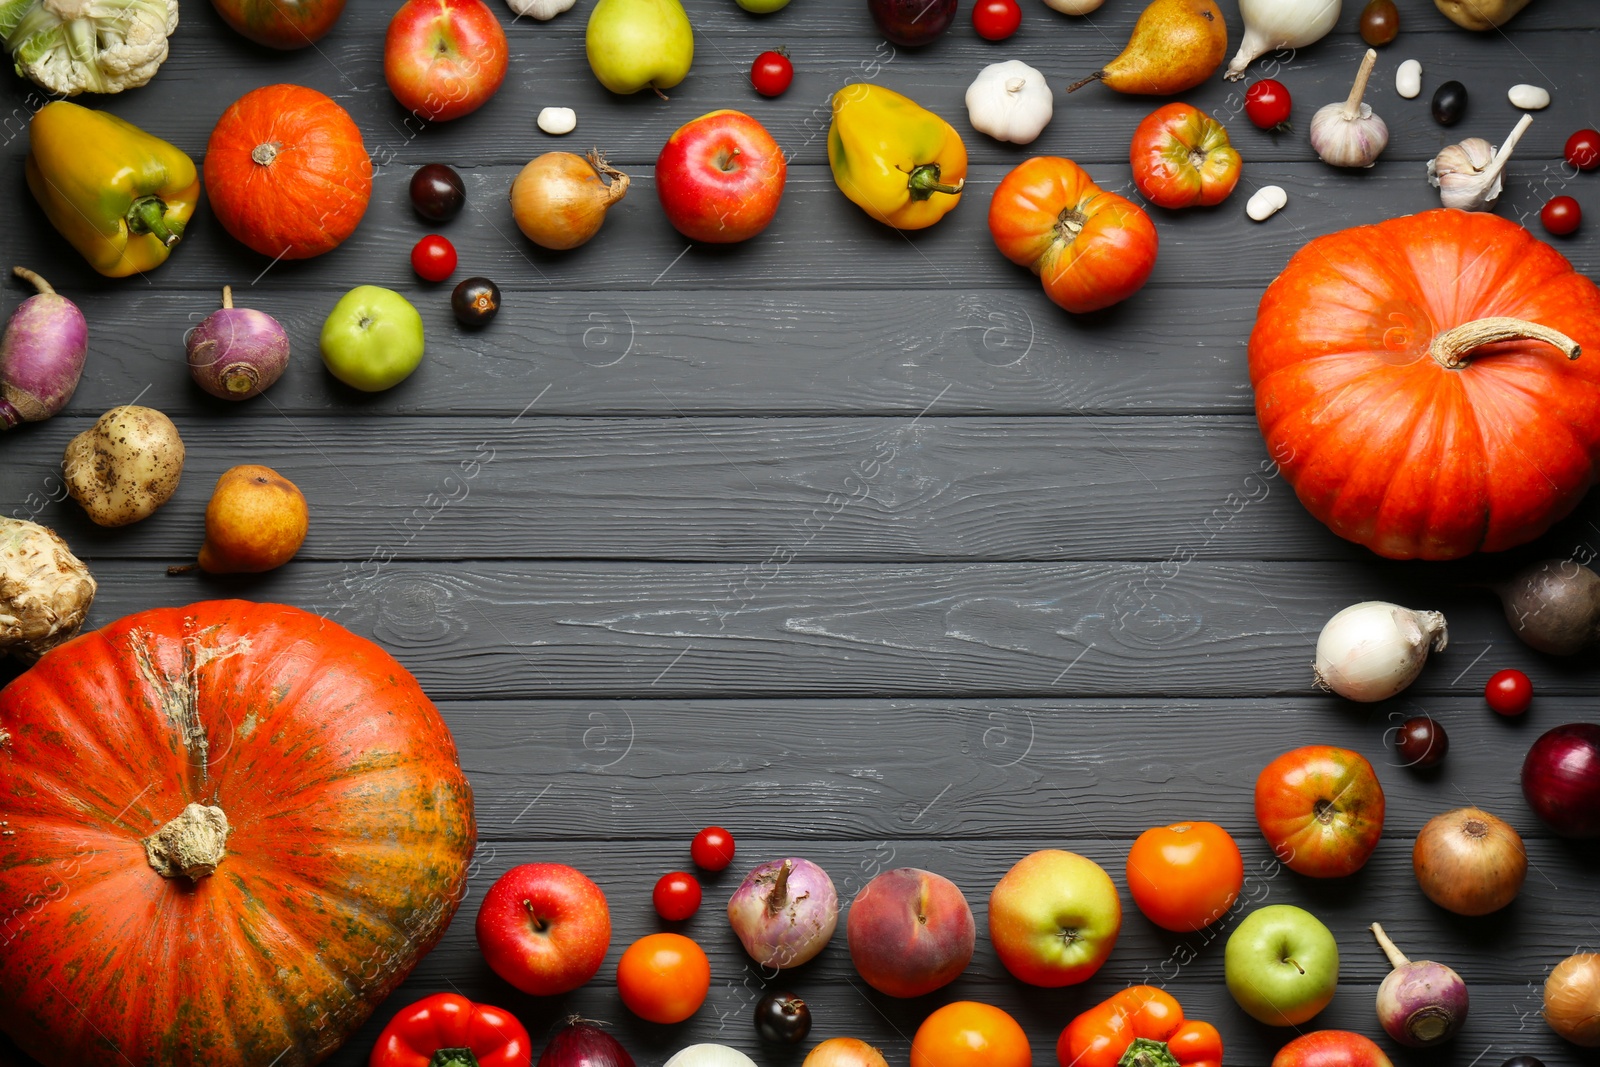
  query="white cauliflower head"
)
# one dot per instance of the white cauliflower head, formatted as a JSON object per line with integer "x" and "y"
{"x": 97, "y": 46}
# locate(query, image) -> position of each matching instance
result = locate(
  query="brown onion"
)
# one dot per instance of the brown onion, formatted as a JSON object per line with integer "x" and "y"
{"x": 1469, "y": 862}
{"x": 559, "y": 200}
{"x": 1572, "y": 999}
{"x": 845, "y": 1052}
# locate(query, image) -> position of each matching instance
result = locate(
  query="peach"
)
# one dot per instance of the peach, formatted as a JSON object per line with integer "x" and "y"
{"x": 910, "y": 932}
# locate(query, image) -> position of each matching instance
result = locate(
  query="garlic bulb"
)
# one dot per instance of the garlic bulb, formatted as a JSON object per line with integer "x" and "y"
{"x": 1349, "y": 134}
{"x": 1470, "y": 175}
{"x": 45, "y": 591}
{"x": 1273, "y": 24}
{"x": 539, "y": 9}
{"x": 1010, "y": 102}
{"x": 1372, "y": 650}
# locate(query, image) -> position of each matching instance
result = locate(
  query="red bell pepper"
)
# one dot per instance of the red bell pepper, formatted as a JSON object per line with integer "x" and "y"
{"x": 1142, "y": 1026}
{"x": 446, "y": 1030}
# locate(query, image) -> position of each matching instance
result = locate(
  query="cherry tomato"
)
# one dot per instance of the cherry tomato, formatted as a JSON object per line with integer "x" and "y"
{"x": 1421, "y": 742}
{"x": 677, "y": 896}
{"x": 1583, "y": 149}
{"x": 1561, "y": 215}
{"x": 995, "y": 20}
{"x": 475, "y": 301}
{"x": 712, "y": 849}
{"x": 1186, "y": 876}
{"x": 783, "y": 1019}
{"x": 433, "y": 258}
{"x": 1509, "y": 692}
{"x": 771, "y": 73}
{"x": 663, "y": 978}
{"x": 437, "y": 192}
{"x": 1268, "y": 105}
{"x": 969, "y": 1034}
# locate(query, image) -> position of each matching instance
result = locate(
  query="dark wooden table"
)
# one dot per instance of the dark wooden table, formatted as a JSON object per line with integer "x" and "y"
{"x": 648, "y": 609}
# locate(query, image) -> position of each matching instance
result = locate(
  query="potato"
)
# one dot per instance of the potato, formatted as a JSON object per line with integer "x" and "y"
{"x": 1480, "y": 14}
{"x": 125, "y": 466}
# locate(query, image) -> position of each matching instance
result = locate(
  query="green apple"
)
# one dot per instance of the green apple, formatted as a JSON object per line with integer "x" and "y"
{"x": 373, "y": 339}
{"x": 639, "y": 44}
{"x": 1281, "y": 965}
{"x": 762, "y": 7}
{"x": 1054, "y": 918}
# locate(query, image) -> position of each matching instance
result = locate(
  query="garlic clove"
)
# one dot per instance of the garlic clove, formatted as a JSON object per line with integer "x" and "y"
{"x": 1267, "y": 202}
{"x": 1529, "y": 97}
{"x": 1408, "y": 79}
{"x": 558, "y": 120}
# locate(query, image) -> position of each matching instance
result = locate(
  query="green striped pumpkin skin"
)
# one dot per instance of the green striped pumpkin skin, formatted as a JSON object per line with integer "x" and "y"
{"x": 351, "y": 831}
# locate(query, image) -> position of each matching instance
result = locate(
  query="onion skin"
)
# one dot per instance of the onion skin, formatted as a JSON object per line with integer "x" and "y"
{"x": 583, "y": 1044}
{"x": 237, "y": 353}
{"x": 41, "y": 355}
{"x": 1561, "y": 779}
{"x": 1469, "y": 862}
{"x": 560, "y": 200}
{"x": 1572, "y": 999}
{"x": 785, "y": 912}
{"x": 1554, "y": 606}
{"x": 845, "y": 1052}
{"x": 1419, "y": 1003}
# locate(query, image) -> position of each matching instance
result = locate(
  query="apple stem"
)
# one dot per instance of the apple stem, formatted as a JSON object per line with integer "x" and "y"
{"x": 538, "y": 923}
{"x": 183, "y": 568}
{"x": 658, "y": 92}
{"x": 1291, "y": 962}
{"x": 1397, "y": 959}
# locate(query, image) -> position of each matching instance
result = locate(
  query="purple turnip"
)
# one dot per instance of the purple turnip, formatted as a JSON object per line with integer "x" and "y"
{"x": 41, "y": 356}
{"x": 1419, "y": 1004}
{"x": 236, "y": 353}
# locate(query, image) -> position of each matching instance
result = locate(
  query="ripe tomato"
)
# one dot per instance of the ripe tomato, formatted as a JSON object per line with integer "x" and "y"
{"x": 676, "y": 896}
{"x": 1091, "y": 248}
{"x": 1321, "y": 810}
{"x": 1267, "y": 104}
{"x": 433, "y": 258}
{"x": 1181, "y": 157}
{"x": 1509, "y": 692}
{"x": 995, "y": 20}
{"x": 663, "y": 978}
{"x": 969, "y": 1034}
{"x": 712, "y": 849}
{"x": 771, "y": 73}
{"x": 1561, "y": 215}
{"x": 1186, "y": 876}
{"x": 1583, "y": 149}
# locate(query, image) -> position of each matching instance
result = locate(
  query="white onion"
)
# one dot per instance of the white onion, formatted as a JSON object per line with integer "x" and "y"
{"x": 1372, "y": 650}
{"x": 1273, "y": 24}
{"x": 710, "y": 1056}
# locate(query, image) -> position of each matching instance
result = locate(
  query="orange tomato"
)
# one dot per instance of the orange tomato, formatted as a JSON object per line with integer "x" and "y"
{"x": 1186, "y": 876}
{"x": 969, "y": 1034}
{"x": 664, "y": 978}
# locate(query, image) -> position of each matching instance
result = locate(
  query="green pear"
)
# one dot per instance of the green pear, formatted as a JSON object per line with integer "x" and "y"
{"x": 639, "y": 44}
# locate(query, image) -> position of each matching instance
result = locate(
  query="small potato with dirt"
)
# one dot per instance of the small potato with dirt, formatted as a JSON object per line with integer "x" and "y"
{"x": 125, "y": 466}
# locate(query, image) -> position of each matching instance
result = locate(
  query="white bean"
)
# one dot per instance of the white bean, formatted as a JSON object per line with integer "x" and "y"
{"x": 558, "y": 120}
{"x": 1267, "y": 202}
{"x": 1529, "y": 97}
{"x": 1408, "y": 79}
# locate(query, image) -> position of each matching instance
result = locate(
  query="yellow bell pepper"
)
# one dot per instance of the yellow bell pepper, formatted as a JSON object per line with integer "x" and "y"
{"x": 898, "y": 161}
{"x": 119, "y": 195}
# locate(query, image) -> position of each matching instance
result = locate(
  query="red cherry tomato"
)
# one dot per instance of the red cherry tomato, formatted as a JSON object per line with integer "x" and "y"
{"x": 995, "y": 20}
{"x": 1509, "y": 692}
{"x": 712, "y": 849}
{"x": 677, "y": 896}
{"x": 771, "y": 73}
{"x": 1561, "y": 215}
{"x": 1267, "y": 104}
{"x": 433, "y": 258}
{"x": 1583, "y": 149}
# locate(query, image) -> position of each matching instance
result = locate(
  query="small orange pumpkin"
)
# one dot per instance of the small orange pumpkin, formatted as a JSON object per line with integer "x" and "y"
{"x": 287, "y": 173}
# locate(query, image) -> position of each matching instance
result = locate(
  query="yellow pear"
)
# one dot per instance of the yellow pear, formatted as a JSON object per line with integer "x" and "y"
{"x": 1176, "y": 45}
{"x": 256, "y": 520}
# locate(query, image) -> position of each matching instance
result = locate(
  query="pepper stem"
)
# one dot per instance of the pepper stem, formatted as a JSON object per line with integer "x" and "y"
{"x": 1352, "y": 106}
{"x": 34, "y": 280}
{"x": 1397, "y": 959}
{"x": 149, "y": 215}
{"x": 1453, "y": 348}
{"x": 453, "y": 1057}
{"x": 924, "y": 182}
{"x": 1147, "y": 1052}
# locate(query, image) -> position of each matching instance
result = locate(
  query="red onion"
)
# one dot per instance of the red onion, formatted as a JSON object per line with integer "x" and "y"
{"x": 41, "y": 357}
{"x": 785, "y": 912}
{"x": 237, "y": 353}
{"x": 1419, "y": 1004}
{"x": 583, "y": 1044}
{"x": 1561, "y": 779}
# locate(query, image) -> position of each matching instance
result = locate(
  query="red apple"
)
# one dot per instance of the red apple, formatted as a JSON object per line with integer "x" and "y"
{"x": 720, "y": 177}
{"x": 1331, "y": 1048}
{"x": 1054, "y": 918}
{"x": 444, "y": 58}
{"x": 545, "y": 928}
{"x": 910, "y": 932}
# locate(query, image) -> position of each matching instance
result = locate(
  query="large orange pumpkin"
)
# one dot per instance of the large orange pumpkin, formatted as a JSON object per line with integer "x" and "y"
{"x": 227, "y": 832}
{"x": 287, "y": 173}
{"x": 1420, "y": 384}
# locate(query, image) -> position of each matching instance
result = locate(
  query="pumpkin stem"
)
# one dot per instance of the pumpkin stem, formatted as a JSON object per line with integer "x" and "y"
{"x": 190, "y": 846}
{"x": 1453, "y": 348}
{"x": 265, "y": 152}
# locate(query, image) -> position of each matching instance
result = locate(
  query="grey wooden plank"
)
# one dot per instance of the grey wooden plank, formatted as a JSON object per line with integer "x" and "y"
{"x": 473, "y": 629}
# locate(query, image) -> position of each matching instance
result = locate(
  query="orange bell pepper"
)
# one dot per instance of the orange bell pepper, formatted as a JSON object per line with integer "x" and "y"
{"x": 1142, "y": 1026}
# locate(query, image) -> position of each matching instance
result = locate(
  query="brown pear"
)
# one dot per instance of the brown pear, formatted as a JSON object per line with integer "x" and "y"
{"x": 256, "y": 521}
{"x": 1176, "y": 45}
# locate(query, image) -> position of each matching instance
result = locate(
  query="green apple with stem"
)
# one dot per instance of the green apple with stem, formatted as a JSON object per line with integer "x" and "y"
{"x": 639, "y": 44}
{"x": 372, "y": 339}
{"x": 1281, "y": 965}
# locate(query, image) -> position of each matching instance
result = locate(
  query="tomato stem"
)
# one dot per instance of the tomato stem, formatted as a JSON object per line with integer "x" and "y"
{"x": 1453, "y": 348}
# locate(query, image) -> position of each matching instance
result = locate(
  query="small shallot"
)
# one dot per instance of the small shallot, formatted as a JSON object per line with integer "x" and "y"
{"x": 1372, "y": 650}
{"x": 785, "y": 912}
{"x": 1348, "y": 134}
{"x": 560, "y": 200}
{"x": 1419, "y": 1004}
{"x": 1470, "y": 175}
